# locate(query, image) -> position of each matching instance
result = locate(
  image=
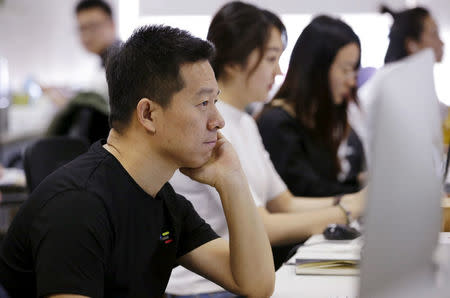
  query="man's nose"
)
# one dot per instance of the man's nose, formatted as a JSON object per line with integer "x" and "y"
{"x": 216, "y": 121}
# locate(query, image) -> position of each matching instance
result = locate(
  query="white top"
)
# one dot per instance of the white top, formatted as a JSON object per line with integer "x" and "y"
{"x": 241, "y": 130}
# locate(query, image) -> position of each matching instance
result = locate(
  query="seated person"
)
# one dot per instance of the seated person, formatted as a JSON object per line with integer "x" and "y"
{"x": 245, "y": 73}
{"x": 305, "y": 128}
{"x": 108, "y": 224}
{"x": 413, "y": 30}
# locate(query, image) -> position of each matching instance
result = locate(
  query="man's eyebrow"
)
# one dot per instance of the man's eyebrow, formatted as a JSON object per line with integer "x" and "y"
{"x": 205, "y": 91}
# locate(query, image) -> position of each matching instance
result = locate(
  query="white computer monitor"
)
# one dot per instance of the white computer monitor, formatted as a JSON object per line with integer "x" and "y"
{"x": 403, "y": 216}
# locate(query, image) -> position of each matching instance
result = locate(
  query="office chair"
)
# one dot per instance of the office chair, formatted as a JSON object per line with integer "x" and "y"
{"x": 46, "y": 155}
{"x": 85, "y": 116}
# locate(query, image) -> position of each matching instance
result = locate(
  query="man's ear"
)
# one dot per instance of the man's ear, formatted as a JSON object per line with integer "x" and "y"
{"x": 147, "y": 112}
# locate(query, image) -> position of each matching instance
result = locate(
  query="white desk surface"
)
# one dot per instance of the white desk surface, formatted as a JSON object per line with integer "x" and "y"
{"x": 288, "y": 284}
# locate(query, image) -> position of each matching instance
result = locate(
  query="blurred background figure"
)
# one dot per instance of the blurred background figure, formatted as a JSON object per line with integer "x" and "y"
{"x": 412, "y": 31}
{"x": 86, "y": 115}
{"x": 96, "y": 27}
{"x": 97, "y": 33}
{"x": 305, "y": 128}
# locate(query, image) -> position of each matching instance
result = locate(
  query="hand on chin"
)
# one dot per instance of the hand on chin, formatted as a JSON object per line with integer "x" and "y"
{"x": 223, "y": 162}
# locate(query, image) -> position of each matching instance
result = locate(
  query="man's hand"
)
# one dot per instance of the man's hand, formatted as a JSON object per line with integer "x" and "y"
{"x": 223, "y": 164}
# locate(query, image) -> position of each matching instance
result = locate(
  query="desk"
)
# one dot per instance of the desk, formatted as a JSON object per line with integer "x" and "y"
{"x": 290, "y": 285}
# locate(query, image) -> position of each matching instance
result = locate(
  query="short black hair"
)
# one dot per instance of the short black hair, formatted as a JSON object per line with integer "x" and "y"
{"x": 147, "y": 65}
{"x": 407, "y": 23}
{"x": 89, "y": 4}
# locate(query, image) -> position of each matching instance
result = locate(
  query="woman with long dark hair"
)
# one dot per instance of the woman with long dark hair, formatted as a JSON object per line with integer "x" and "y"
{"x": 305, "y": 127}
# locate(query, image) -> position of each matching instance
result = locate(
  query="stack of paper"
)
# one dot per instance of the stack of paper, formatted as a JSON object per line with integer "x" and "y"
{"x": 327, "y": 267}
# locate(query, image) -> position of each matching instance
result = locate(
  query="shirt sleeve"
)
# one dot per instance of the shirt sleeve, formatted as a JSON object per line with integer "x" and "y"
{"x": 194, "y": 231}
{"x": 277, "y": 185}
{"x": 284, "y": 143}
{"x": 268, "y": 186}
{"x": 70, "y": 240}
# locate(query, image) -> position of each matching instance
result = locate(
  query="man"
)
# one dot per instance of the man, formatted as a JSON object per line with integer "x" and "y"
{"x": 97, "y": 33}
{"x": 96, "y": 27}
{"x": 108, "y": 224}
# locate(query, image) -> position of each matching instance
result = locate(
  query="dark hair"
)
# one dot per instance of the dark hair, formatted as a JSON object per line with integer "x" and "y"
{"x": 89, "y": 4}
{"x": 237, "y": 29}
{"x": 307, "y": 87}
{"x": 147, "y": 65}
{"x": 408, "y": 24}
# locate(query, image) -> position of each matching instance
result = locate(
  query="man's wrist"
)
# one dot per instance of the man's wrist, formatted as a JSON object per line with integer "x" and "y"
{"x": 225, "y": 182}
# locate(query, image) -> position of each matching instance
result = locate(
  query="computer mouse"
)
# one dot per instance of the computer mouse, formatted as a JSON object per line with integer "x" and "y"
{"x": 340, "y": 232}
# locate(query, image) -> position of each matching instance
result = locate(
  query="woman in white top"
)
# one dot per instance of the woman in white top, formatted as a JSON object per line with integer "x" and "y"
{"x": 249, "y": 42}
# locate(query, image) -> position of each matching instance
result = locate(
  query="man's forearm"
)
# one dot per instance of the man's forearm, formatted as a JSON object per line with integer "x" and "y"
{"x": 250, "y": 249}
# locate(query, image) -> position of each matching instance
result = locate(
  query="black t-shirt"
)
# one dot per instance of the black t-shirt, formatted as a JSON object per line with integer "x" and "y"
{"x": 305, "y": 165}
{"x": 89, "y": 229}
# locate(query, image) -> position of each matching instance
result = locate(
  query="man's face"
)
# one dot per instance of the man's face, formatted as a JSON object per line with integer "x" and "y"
{"x": 96, "y": 29}
{"x": 187, "y": 133}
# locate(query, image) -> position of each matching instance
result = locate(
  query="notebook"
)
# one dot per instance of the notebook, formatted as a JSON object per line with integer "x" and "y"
{"x": 327, "y": 267}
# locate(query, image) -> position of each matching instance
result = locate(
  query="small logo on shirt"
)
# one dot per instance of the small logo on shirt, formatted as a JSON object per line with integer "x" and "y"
{"x": 165, "y": 236}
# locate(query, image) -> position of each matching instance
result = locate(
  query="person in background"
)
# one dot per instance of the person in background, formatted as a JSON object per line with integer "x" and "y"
{"x": 305, "y": 128}
{"x": 85, "y": 113}
{"x": 97, "y": 33}
{"x": 413, "y": 30}
{"x": 249, "y": 42}
{"x": 96, "y": 27}
{"x": 108, "y": 224}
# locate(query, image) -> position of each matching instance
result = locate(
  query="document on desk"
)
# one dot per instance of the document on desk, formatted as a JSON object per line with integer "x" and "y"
{"x": 319, "y": 256}
{"x": 317, "y": 247}
{"x": 326, "y": 267}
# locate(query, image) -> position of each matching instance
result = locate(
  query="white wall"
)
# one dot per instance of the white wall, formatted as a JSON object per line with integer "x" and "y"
{"x": 177, "y": 7}
{"x": 39, "y": 39}
{"x": 362, "y": 15}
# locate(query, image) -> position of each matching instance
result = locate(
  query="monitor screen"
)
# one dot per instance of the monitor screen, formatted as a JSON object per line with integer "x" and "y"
{"x": 403, "y": 216}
